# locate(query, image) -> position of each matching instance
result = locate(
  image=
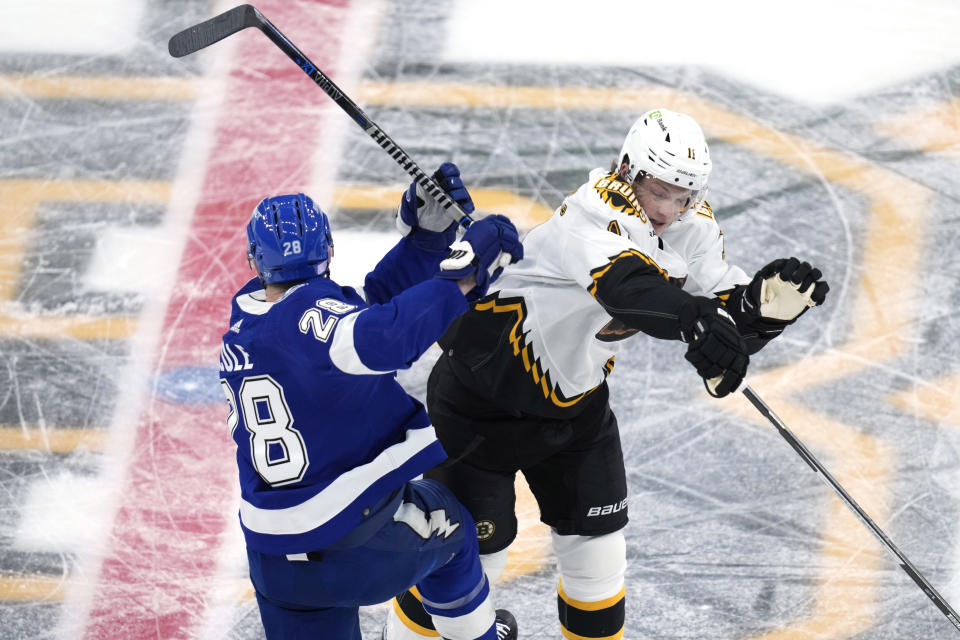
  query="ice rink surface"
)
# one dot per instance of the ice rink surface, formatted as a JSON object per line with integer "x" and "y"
{"x": 126, "y": 177}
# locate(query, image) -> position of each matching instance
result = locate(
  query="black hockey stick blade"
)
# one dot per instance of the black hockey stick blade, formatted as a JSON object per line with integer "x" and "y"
{"x": 202, "y": 35}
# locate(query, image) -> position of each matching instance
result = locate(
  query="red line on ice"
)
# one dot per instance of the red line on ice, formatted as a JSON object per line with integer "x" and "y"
{"x": 176, "y": 497}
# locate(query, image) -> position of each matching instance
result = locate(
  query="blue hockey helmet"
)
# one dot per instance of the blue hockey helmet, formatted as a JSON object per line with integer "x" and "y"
{"x": 289, "y": 239}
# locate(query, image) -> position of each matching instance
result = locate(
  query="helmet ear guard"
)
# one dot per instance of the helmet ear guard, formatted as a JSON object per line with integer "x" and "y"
{"x": 289, "y": 238}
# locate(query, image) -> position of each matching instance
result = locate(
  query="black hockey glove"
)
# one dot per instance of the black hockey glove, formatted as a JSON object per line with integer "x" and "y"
{"x": 778, "y": 294}
{"x": 425, "y": 222}
{"x": 715, "y": 347}
{"x": 487, "y": 247}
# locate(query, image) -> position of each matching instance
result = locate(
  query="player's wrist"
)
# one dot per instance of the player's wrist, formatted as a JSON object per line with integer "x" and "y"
{"x": 433, "y": 241}
{"x": 467, "y": 284}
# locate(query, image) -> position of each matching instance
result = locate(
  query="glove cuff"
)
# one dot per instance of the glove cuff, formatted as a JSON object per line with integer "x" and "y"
{"x": 402, "y": 226}
{"x": 740, "y": 303}
{"x": 692, "y": 311}
{"x": 433, "y": 241}
{"x": 754, "y": 328}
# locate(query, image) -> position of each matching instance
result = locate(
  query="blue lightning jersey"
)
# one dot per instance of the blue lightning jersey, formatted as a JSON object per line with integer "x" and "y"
{"x": 323, "y": 429}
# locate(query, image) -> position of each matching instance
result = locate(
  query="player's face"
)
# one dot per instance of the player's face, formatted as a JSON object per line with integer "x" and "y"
{"x": 662, "y": 202}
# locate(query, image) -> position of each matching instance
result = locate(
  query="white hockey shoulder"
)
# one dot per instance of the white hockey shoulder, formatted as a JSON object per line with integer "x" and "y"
{"x": 606, "y": 203}
{"x": 701, "y": 223}
{"x": 697, "y": 238}
{"x": 695, "y": 233}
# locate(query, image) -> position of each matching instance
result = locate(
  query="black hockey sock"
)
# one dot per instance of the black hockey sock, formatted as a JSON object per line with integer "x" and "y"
{"x": 602, "y": 620}
{"x": 409, "y": 609}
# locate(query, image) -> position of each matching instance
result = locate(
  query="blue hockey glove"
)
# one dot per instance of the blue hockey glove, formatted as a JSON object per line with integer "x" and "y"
{"x": 487, "y": 247}
{"x": 428, "y": 226}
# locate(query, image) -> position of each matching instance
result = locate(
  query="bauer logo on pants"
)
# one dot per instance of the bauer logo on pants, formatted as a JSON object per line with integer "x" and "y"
{"x": 607, "y": 509}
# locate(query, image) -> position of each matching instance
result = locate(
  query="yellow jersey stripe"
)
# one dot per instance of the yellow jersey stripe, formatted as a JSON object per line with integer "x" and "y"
{"x": 591, "y": 606}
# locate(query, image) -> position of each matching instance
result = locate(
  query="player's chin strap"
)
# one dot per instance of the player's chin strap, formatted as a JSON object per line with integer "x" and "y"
{"x": 825, "y": 475}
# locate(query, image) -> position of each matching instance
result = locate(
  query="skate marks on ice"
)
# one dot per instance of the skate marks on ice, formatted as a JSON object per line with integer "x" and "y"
{"x": 86, "y": 170}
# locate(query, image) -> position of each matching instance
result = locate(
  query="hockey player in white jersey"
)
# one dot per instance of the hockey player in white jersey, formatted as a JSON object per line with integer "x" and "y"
{"x": 329, "y": 444}
{"x": 521, "y": 384}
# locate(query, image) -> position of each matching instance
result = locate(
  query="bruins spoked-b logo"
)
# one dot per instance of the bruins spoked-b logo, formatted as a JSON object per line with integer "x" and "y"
{"x": 485, "y": 529}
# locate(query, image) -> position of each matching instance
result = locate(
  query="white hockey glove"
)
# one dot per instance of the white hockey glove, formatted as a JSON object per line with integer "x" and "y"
{"x": 423, "y": 220}
{"x": 787, "y": 288}
{"x": 778, "y": 294}
{"x": 487, "y": 247}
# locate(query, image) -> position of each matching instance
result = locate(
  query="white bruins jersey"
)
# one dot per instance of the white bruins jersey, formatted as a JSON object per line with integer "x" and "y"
{"x": 565, "y": 338}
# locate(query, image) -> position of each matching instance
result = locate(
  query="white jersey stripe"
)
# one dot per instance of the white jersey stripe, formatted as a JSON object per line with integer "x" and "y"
{"x": 461, "y": 601}
{"x": 343, "y": 350}
{"x": 425, "y": 525}
{"x": 323, "y": 506}
{"x": 471, "y": 625}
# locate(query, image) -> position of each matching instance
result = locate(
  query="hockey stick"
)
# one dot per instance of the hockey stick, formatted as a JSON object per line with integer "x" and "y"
{"x": 809, "y": 458}
{"x": 202, "y": 35}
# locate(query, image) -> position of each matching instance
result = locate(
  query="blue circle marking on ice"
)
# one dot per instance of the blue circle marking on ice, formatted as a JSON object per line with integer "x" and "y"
{"x": 190, "y": 385}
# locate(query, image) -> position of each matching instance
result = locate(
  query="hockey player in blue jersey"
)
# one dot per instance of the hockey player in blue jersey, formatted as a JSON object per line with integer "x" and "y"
{"x": 329, "y": 444}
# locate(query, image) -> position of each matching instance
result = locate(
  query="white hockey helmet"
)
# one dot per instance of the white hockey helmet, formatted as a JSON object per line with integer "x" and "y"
{"x": 669, "y": 146}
